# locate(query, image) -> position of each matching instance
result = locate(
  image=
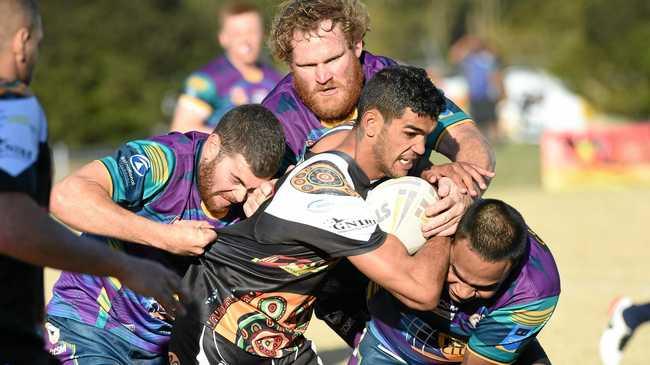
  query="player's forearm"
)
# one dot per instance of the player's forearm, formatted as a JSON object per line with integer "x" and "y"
{"x": 416, "y": 279}
{"x": 28, "y": 234}
{"x": 87, "y": 207}
{"x": 427, "y": 272}
{"x": 465, "y": 142}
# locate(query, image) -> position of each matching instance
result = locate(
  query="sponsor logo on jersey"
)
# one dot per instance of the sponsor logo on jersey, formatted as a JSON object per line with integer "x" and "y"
{"x": 350, "y": 224}
{"x": 320, "y": 206}
{"x": 59, "y": 349}
{"x": 14, "y": 151}
{"x": 140, "y": 164}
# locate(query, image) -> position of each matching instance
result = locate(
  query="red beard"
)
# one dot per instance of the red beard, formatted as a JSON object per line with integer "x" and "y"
{"x": 339, "y": 106}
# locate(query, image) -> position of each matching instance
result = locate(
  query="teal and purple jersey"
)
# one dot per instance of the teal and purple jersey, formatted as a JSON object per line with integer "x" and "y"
{"x": 496, "y": 330}
{"x": 156, "y": 179}
{"x": 218, "y": 87}
{"x": 301, "y": 125}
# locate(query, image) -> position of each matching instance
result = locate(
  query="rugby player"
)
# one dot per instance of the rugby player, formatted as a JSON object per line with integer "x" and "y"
{"x": 253, "y": 291}
{"x": 29, "y": 238}
{"x": 501, "y": 289}
{"x": 232, "y": 79}
{"x": 158, "y": 198}
{"x": 322, "y": 43}
{"x": 625, "y": 317}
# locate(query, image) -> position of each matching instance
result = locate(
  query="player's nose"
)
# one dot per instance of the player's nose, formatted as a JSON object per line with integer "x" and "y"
{"x": 420, "y": 146}
{"x": 464, "y": 291}
{"x": 240, "y": 194}
{"x": 323, "y": 75}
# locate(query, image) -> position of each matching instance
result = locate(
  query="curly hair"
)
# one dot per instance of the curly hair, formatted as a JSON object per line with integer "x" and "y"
{"x": 306, "y": 16}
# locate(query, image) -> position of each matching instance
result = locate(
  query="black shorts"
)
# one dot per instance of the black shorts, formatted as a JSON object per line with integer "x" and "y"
{"x": 192, "y": 343}
{"x": 483, "y": 112}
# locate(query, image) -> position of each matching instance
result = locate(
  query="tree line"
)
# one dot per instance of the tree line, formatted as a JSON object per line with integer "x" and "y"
{"x": 108, "y": 69}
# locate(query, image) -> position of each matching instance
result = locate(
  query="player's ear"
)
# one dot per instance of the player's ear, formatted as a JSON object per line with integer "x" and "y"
{"x": 222, "y": 39}
{"x": 357, "y": 48}
{"x": 213, "y": 144}
{"x": 372, "y": 121}
{"x": 19, "y": 43}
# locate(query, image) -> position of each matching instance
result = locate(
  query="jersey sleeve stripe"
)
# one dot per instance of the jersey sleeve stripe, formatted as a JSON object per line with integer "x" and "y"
{"x": 159, "y": 162}
{"x": 195, "y": 104}
{"x": 446, "y": 129}
{"x": 532, "y": 318}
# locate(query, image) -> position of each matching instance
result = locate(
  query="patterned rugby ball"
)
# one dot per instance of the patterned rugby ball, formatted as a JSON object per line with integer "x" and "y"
{"x": 399, "y": 205}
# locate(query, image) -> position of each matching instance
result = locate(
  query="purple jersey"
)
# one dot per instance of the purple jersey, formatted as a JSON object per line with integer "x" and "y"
{"x": 496, "y": 329}
{"x": 301, "y": 124}
{"x": 218, "y": 87}
{"x": 157, "y": 179}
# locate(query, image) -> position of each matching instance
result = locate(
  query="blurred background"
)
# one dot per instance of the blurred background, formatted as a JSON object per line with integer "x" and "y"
{"x": 572, "y": 138}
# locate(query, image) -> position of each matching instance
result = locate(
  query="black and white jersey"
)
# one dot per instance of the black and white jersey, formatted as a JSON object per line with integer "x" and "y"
{"x": 24, "y": 167}
{"x": 257, "y": 282}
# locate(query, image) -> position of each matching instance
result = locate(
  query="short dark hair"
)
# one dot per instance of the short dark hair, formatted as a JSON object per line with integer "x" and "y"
{"x": 396, "y": 88}
{"x": 257, "y": 134}
{"x": 236, "y": 8}
{"x": 496, "y": 231}
{"x": 15, "y": 14}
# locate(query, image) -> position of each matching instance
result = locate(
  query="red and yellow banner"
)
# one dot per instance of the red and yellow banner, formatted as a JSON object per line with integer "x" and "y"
{"x": 612, "y": 156}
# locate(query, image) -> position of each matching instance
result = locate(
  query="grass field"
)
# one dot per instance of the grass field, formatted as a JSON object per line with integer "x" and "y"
{"x": 601, "y": 247}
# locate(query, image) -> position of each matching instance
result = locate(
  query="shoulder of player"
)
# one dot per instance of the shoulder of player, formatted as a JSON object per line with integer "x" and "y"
{"x": 372, "y": 60}
{"x": 22, "y": 111}
{"x": 531, "y": 313}
{"x": 322, "y": 173}
{"x": 286, "y": 105}
{"x": 540, "y": 267}
{"x": 331, "y": 159}
{"x": 154, "y": 155}
{"x": 216, "y": 65}
{"x": 200, "y": 83}
{"x": 536, "y": 279}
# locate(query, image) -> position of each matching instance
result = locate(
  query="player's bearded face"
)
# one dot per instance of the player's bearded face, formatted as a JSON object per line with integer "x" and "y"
{"x": 319, "y": 99}
{"x": 224, "y": 178}
{"x": 208, "y": 185}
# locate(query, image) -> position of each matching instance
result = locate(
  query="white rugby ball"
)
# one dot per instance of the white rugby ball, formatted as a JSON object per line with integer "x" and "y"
{"x": 399, "y": 205}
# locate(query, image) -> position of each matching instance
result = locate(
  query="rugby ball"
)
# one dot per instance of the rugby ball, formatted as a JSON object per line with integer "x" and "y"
{"x": 399, "y": 205}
